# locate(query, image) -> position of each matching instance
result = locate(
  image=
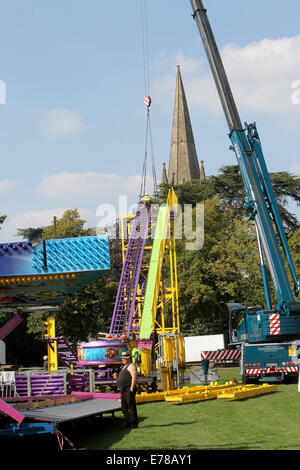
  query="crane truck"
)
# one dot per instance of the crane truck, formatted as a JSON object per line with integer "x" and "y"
{"x": 268, "y": 336}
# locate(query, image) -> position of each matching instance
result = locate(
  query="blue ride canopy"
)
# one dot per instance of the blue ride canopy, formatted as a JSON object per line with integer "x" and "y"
{"x": 50, "y": 271}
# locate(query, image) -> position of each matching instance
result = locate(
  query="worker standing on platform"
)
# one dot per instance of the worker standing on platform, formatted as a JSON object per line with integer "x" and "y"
{"x": 147, "y": 200}
{"x": 45, "y": 362}
{"x": 126, "y": 383}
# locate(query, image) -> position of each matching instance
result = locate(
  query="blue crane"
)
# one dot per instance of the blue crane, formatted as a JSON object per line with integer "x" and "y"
{"x": 269, "y": 337}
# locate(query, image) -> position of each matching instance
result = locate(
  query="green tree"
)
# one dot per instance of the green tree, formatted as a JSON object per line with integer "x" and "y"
{"x": 69, "y": 225}
{"x": 286, "y": 188}
{"x": 86, "y": 312}
{"x": 229, "y": 186}
{"x": 2, "y": 219}
{"x": 294, "y": 244}
{"x": 31, "y": 234}
{"x": 226, "y": 269}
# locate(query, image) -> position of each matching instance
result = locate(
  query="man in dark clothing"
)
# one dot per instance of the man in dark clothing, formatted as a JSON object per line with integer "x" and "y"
{"x": 126, "y": 383}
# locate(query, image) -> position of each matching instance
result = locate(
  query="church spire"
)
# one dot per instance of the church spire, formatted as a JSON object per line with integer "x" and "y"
{"x": 202, "y": 171}
{"x": 164, "y": 178}
{"x": 183, "y": 163}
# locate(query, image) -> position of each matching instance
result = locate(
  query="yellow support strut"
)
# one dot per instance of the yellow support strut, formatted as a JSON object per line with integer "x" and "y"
{"x": 52, "y": 345}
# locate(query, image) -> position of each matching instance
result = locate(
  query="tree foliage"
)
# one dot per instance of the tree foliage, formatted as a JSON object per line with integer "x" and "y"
{"x": 32, "y": 234}
{"x": 86, "y": 312}
{"x": 294, "y": 244}
{"x": 225, "y": 269}
{"x": 229, "y": 186}
{"x": 69, "y": 225}
{"x": 2, "y": 219}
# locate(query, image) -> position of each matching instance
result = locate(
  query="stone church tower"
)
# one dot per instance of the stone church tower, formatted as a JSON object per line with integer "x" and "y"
{"x": 183, "y": 163}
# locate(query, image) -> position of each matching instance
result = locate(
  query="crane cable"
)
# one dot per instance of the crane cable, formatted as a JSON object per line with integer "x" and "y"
{"x": 147, "y": 101}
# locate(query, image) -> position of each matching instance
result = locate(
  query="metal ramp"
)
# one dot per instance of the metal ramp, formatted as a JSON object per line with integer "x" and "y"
{"x": 72, "y": 411}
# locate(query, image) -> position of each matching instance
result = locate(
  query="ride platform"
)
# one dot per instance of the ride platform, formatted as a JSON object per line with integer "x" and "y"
{"x": 72, "y": 411}
{"x": 44, "y": 416}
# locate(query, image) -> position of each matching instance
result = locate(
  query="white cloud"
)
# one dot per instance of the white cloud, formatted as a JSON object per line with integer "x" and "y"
{"x": 7, "y": 185}
{"x": 261, "y": 75}
{"x": 263, "y": 72}
{"x": 61, "y": 121}
{"x": 295, "y": 169}
{"x": 40, "y": 218}
{"x": 90, "y": 185}
{"x": 197, "y": 82}
{"x": 100, "y": 199}
{"x": 27, "y": 219}
{"x": 35, "y": 218}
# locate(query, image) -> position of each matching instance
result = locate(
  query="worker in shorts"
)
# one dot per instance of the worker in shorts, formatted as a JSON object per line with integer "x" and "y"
{"x": 126, "y": 383}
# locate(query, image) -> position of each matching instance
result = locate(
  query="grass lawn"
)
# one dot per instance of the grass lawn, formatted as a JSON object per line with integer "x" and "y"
{"x": 268, "y": 422}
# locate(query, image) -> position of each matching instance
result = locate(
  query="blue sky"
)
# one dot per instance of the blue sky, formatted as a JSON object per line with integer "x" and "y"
{"x": 72, "y": 131}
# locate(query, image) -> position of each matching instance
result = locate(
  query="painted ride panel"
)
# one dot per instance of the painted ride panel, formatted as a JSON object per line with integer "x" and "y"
{"x": 104, "y": 351}
{"x": 51, "y": 271}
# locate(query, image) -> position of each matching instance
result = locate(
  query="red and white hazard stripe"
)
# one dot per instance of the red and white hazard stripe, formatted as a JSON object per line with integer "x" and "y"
{"x": 274, "y": 321}
{"x": 253, "y": 371}
{"x": 270, "y": 370}
{"x": 291, "y": 369}
{"x": 221, "y": 354}
{"x": 147, "y": 101}
{"x": 61, "y": 438}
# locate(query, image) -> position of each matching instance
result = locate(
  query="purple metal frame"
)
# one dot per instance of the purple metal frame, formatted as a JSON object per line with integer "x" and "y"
{"x": 126, "y": 296}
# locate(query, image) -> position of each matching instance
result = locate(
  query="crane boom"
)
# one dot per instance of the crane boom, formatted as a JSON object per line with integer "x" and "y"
{"x": 260, "y": 198}
{"x": 216, "y": 64}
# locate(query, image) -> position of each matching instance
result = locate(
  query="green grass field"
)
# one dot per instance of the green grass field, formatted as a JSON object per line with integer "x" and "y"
{"x": 268, "y": 422}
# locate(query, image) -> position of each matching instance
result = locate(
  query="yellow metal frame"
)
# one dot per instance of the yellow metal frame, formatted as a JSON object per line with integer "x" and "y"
{"x": 52, "y": 345}
{"x": 169, "y": 293}
{"x": 172, "y": 351}
{"x": 228, "y": 391}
